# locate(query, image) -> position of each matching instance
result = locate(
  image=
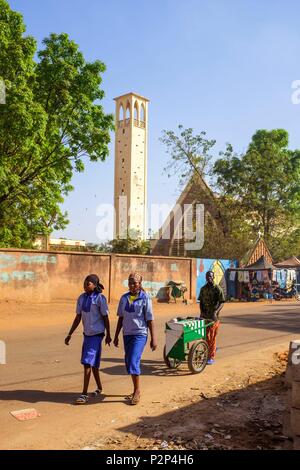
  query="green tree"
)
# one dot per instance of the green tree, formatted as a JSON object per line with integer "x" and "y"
{"x": 258, "y": 192}
{"x": 104, "y": 247}
{"x": 133, "y": 244}
{"x": 264, "y": 186}
{"x": 130, "y": 246}
{"x": 191, "y": 156}
{"x": 51, "y": 123}
{"x": 190, "y": 153}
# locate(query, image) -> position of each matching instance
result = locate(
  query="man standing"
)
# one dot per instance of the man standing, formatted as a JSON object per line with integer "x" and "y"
{"x": 211, "y": 300}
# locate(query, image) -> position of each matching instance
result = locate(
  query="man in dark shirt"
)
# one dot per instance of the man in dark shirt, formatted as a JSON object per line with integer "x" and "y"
{"x": 211, "y": 300}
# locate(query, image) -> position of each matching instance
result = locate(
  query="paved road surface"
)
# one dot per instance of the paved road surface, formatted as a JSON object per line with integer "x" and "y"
{"x": 42, "y": 372}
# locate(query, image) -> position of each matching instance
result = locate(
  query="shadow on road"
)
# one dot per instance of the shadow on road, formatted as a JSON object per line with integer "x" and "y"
{"x": 148, "y": 367}
{"x": 153, "y": 368}
{"x": 249, "y": 417}
{"x": 285, "y": 318}
{"x": 38, "y": 396}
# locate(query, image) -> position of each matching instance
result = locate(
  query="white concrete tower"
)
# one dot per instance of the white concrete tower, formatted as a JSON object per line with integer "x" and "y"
{"x": 131, "y": 164}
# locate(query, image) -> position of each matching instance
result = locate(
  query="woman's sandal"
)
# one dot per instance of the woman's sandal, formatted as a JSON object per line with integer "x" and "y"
{"x": 135, "y": 399}
{"x": 82, "y": 400}
{"x": 96, "y": 393}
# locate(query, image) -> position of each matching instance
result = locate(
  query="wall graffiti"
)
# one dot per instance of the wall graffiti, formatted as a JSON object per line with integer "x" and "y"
{"x": 4, "y": 277}
{"x": 126, "y": 267}
{"x": 10, "y": 261}
{"x": 17, "y": 276}
{"x": 38, "y": 259}
{"x": 7, "y": 261}
{"x": 151, "y": 287}
{"x": 174, "y": 267}
{"x": 218, "y": 266}
{"x": 143, "y": 267}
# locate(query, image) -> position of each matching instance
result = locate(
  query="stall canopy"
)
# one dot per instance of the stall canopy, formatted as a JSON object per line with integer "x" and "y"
{"x": 292, "y": 263}
{"x": 261, "y": 263}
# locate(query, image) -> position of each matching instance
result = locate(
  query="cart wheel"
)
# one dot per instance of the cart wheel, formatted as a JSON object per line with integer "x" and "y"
{"x": 170, "y": 362}
{"x": 198, "y": 356}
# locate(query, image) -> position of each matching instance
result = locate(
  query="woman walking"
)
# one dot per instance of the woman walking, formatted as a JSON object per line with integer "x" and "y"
{"x": 136, "y": 318}
{"x": 92, "y": 309}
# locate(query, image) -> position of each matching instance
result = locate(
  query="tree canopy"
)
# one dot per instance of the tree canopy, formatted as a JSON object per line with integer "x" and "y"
{"x": 264, "y": 187}
{"x": 51, "y": 123}
{"x": 190, "y": 153}
{"x": 130, "y": 245}
{"x": 255, "y": 193}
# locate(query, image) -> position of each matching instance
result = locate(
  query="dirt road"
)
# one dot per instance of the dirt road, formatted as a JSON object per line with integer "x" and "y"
{"x": 43, "y": 373}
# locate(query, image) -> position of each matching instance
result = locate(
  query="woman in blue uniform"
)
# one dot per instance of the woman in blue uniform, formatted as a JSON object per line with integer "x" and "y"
{"x": 136, "y": 318}
{"x": 92, "y": 309}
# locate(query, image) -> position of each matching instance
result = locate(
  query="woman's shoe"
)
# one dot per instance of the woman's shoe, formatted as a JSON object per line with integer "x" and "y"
{"x": 135, "y": 399}
{"x": 128, "y": 397}
{"x": 210, "y": 362}
{"x": 82, "y": 400}
{"x": 96, "y": 393}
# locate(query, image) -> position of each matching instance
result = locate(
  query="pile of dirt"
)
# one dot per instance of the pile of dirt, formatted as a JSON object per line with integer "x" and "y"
{"x": 282, "y": 357}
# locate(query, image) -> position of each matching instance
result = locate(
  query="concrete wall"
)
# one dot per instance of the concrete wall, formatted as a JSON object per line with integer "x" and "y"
{"x": 43, "y": 276}
{"x": 36, "y": 276}
{"x": 156, "y": 272}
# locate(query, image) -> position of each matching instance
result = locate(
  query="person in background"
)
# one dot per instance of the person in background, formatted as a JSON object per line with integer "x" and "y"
{"x": 211, "y": 299}
{"x": 269, "y": 291}
{"x": 136, "y": 318}
{"x": 92, "y": 309}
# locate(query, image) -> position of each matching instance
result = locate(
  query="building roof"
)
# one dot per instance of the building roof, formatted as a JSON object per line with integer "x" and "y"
{"x": 291, "y": 262}
{"x": 195, "y": 191}
{"x": 132, "y": 93}
{"x": 261, "y": 263}
{"x": 260, "y": 249}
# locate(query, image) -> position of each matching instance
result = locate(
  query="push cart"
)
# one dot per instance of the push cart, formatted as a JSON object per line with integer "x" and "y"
{"x": 186, "y": 339}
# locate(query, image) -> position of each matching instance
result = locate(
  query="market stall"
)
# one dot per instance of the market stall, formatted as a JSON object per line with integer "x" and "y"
{"x": 254, "y": 281}
{"x": 288, "y": 273}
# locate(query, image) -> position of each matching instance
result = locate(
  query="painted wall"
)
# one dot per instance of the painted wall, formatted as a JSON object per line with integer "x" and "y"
{"x": 35, "y": 276}
{"x": 156, "y": 272}
{"x": 219, "y": 267}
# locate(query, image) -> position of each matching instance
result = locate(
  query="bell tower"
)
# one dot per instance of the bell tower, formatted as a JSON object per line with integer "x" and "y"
{"x": 130, "y": 190}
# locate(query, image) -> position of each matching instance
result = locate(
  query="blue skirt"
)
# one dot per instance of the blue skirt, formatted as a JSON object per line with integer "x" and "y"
{"x": 134, "y": 346}
{"x": 91, "y": 350}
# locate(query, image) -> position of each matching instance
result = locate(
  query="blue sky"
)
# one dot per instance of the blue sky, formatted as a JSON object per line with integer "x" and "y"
{"x": 225, "y": 67}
